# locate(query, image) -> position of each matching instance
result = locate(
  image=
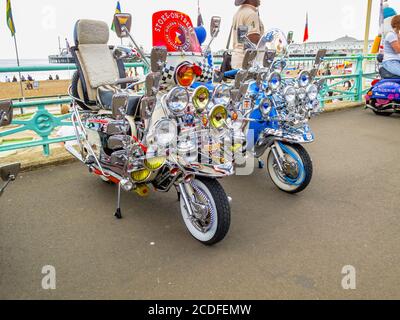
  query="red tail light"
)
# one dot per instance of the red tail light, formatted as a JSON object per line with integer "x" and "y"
{"x": 374, "y": 82}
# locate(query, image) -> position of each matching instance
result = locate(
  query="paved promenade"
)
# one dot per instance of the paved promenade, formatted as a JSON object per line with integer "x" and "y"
{"x": 279, "y": 246}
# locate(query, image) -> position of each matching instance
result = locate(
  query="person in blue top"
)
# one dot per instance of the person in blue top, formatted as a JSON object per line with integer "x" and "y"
{"x": 391, "y": 61}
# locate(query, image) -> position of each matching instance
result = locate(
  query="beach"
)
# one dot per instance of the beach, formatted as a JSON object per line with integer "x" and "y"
{"x": 44, "y": 89}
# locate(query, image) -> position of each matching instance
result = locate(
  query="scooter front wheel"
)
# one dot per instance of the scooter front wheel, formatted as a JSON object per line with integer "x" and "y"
{"x": 295, "y": 172}
{"x": 208, "y": 217}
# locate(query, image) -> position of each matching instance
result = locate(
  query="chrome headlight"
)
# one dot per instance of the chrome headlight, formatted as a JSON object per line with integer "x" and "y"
{"x": 222, "y": 94}
{"x": 165, "y": 132}
{"x": 218, "y": 116}
{"x": 290, "y": 94}
{"x": 312, "y": 92}
{"x": 302, "y": 93}
{"x": 304, "y": 79}
{"x": 188, "y": 146}
{"x": 265, "y": 107}
{"x": 177, "y": 100}
{"x": 274, "y": 81}
{"x": 201, "y": 98}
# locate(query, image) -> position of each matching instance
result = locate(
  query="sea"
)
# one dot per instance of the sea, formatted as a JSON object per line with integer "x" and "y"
{"x": 38, "y": 76}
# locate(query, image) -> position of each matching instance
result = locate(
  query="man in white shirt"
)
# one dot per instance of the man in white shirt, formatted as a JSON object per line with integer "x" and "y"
{"x": 247, "y": 15}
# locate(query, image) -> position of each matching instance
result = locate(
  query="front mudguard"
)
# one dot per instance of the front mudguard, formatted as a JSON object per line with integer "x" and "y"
{"x": 269, "y": 136}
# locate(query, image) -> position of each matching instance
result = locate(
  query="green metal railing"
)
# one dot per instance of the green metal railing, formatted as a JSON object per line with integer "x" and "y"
{"x": 44, "y": 123}
{"x": 332, "y": 84}
{"x": 41, "y": 122}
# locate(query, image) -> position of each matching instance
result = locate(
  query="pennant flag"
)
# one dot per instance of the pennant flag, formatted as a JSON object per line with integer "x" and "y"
{"x": 117, "y": 10}
{"x": 10, "y": 21}
{"x": 306, "y": 35}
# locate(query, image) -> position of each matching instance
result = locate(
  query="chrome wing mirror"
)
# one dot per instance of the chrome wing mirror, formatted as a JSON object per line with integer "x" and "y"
{"x": 8, "y": 174}
{"x": 319, "y": 58}
{"x": 242, "y": 37}
{"x": 123, "y": 25}
{"x": 158, "y": 59}
{"x": 249, "y": 58}
{"x": 215, "y": 27}
{"x": 119, "y": 105}
{"x": 6, "y": 113}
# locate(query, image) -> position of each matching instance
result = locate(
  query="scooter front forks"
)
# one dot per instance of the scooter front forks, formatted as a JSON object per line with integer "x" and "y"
{"x": 278, "y": 154}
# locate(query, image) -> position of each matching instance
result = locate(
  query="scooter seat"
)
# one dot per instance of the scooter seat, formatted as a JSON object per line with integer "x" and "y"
{"x": 386, "y": 74}
{"x": 105, "y": 96}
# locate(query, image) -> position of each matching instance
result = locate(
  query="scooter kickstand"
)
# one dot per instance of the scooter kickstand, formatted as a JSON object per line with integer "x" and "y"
{"x": 261, "y": 164}
{"x": 118, "y": 213}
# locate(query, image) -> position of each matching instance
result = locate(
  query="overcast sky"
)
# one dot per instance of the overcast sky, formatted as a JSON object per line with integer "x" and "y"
{"x": 40, "y": 22}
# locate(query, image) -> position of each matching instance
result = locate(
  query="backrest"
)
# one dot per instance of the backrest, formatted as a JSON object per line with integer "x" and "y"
{"x": 95, "y": 61}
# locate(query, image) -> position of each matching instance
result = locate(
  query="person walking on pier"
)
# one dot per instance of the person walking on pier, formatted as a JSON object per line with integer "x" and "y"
{"x": 247, "y": 15}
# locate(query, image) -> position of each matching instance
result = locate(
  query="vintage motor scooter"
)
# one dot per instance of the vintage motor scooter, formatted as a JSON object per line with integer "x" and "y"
{"x": 384, "y": 96}
{"x": 8, "y": 172}
{"x": 139, "y": 140}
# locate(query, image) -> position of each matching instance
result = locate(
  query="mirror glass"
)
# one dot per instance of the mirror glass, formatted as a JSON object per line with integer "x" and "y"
{"x": 215, "y": 26}
{"x": 240, "y": 77}
{"x": 152, "y": 83}
{"x": 320, "y": 56}
{"x": 119, "y": 104}
{"x": 249, "y": 57}
{"x": 242, "y": 32}
{"x": 6, "y": 113}
{"x": 269, "y": 58}
{"x": 158, "y": 58}
{"x": 290, "y": 37}
{"x": 123, "y": 24}
{"x": 10, "y": 171}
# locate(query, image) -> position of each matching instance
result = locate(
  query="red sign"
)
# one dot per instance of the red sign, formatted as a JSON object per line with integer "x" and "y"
{"x": 174, "y": 30}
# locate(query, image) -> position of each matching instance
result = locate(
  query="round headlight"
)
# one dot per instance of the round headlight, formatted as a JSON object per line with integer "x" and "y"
{"x": 304, "y": 79}
{"x": 302, "y": 93}
{"x": 154, "y": 159}
{"x": 290, "y": 94}
{"x": 222, "y": 94}
{"x": 165, "y": 132}
{"x": 141, "y": 175}
{"x": 201, "y": 98}
{"x": 274, "y": 81}
{"x": 178, "y": 100}
{"x": 265, "y": 107}
{"x": 312, "y": 92}
{"x": 218, "y": 116}
{"x": 188, "y": 147}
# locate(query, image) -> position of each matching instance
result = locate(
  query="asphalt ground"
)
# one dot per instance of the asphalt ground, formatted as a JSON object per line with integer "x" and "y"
{"x": 279, "y": 246}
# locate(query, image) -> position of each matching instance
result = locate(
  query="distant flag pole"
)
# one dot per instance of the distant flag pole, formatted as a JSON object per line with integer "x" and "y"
{"x": 306, "y": 35}
{"x": 11, "y": 26}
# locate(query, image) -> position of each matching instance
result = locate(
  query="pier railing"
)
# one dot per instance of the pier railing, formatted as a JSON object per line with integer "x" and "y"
{"x": 44, "y": 123}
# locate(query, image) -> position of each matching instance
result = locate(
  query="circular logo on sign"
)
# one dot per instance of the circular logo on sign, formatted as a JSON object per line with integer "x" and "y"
{"x": 176, "y": 36}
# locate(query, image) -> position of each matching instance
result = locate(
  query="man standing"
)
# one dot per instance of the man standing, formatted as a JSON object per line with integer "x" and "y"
{"x": 247, "y": 15}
